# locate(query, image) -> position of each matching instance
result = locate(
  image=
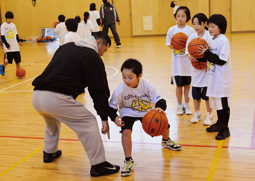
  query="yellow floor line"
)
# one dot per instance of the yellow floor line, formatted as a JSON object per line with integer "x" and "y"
{"x": 159, "y": 66}
{"x": 16, "y": 164}
{"x": 217, "y": 154}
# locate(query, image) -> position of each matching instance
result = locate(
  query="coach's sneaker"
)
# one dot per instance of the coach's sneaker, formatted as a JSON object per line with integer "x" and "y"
{"x": 2, "y": 70}
{"x": 196, "y": 117}
{"x": 104, "y": 168}
{"x": 215, "y": 127}
{"x": 128, "y": 167}
{"x": 187, "y": 109}
{"x": 223, "y": 133}
{"x": 209, "y": 119}
{"x": 180, "y": 110}
{"x": 119, "y": 46}
{"x": 170, "y": 144}
{"x": 49, "y": 157}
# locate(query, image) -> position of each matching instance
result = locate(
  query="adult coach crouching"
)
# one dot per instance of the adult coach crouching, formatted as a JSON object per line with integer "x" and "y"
{"x": 74, "y": 67}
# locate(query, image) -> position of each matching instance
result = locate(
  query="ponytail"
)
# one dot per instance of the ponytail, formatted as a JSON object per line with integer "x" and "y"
{"x": 86, "y": 16}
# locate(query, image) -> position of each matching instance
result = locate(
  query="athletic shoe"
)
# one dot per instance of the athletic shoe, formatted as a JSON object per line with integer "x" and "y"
{"x": 215, "y": 127}
{"x": 180, "y": 110}
{"x": 170, "y": 144}
{"x": 2, "y": 70}
{"x": 128, "y": 167}
{"x": 104, "y": 168}
{"x": 196, "y": 118}
{"x": 49, "y": 157}
{"x": 209, "y": 119}
{"x": 223, "y": 134}
{"x": 187, "y": 110}
{"x": 119, "y": 46}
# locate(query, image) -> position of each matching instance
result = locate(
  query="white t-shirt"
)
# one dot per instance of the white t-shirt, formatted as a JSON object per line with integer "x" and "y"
{"x": 61, "y": 31}
{"x": 9, "y": 31}
{"x": 220, "y": 76}
{"x": 181, "y": 64}
{"x": 71, "y": 37}
{"x": 81, "y": 30}
{"x": 134, "y": 102}
{"x": 94, "y": 15}
{"x": 199, "y": 77}
{"x": 88, "y": 27}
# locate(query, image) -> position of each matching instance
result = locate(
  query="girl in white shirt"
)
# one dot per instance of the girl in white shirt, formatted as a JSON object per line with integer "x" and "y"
{"x": 199, "y": 77}
{"x": 94, "y": 17}
{"x": 181, "y": 65}
{"x": 88, "y": 27}
{"x": 219, "y": 74}
{"x": 71, "y": 26}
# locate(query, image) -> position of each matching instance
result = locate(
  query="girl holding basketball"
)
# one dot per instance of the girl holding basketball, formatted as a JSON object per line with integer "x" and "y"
{"x": 135, "y": 97}
{"x": 199, "y": 77}
{"x": 181, "y": 66}
{"x": 219, "y": 74}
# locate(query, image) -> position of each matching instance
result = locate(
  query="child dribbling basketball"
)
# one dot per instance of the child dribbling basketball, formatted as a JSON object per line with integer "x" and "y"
{"x": 181, "y": 65}
{"x": 219, "y": 74}
{"x": 135, "y": 97}
{"x": 11, "y": 41}
{"x": 199, "y": 77}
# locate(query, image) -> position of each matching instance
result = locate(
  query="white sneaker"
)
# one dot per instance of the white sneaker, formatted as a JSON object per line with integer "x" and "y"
{"x": 180, "y": 110}
{"x": 196, "y": 118}
{"x": 128, "y": 167}
{"x": 118, "y": 46}
{"x": 187, "y": 110}
{"x": 209, "y": 119}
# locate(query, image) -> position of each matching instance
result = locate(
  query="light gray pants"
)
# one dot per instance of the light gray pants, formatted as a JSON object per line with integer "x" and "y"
{"x": 56, "y": 108}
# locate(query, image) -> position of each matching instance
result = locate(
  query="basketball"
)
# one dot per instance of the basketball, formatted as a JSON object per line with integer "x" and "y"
{"x": 179, "y": 40}
{"x": 55, "y": 23}
{"x": 194, "y": 45}
{"x": 101, "y": 21}
{"x": 20, "y": 72}
{"x": 199, "y": 65}
{"x": 154, "y": 123}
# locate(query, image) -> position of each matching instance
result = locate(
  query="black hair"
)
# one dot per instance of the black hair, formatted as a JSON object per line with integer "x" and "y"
{"x": 92, "y": 7}
{"x": 134, "y": 65}
{"x": 186, "y": 11}
{"x": 104, "y": 1}
{"x": 86, "y": 15}
{"x": 61, "y": 18}
{"x": 71, "y": 25}
{"x": 201, "y": 18}
{"x": 100, "y": 35}
{"x": 172, "y": 4}
{"x": 220, "y": 21}
{"x": 77, "y": 18}
{"x": 9, "y": 15}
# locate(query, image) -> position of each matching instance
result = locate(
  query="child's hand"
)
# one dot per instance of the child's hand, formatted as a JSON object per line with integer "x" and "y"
{"x": 159, "y": 110}
{"x": 170, "y": 46}
{"x": 192, "y": 59}
{"x": 20, "y": 43}
{"x": 119, "y": 122}
{"x": 202, "y": 49}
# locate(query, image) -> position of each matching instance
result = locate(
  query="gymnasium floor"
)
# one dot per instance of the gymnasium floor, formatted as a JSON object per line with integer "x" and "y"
{"x": 202, "y": 157}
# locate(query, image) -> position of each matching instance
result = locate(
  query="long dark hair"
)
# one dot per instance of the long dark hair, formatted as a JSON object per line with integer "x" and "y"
{"x": 86, "y": 15}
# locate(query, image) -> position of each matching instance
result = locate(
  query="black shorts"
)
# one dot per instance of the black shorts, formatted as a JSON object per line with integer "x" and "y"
{"x": 129, "y": 122}
{"x": 9, "y": 56}
{"x": 199, "y": 92}
{"x": 180, "y": 81}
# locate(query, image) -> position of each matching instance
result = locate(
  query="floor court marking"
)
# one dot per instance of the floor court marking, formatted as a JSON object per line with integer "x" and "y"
{"x": 28, "y": 156}
{"x": 217, "y": 154}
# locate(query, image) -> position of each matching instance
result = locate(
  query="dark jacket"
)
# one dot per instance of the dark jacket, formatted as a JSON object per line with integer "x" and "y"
{"x": 108, "y": 14}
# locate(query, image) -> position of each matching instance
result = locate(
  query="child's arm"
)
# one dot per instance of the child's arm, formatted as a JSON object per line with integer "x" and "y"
{"x": 5, "y": 42}
{"x": 211, "y": 57}
{"x": 115, "y": 118}
{"x": 18, "y": 40}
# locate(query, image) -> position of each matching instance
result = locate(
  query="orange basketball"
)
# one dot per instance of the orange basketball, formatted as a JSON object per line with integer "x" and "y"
{"x": 199, "y": 65}
{"x": 21, "y": 72}
{"x": 55, "y": 23}
{"x": 193, "y": 47}
{"x": 179, "y": 40}
{"x": 154, "y": 123}
{"x": 101, "y": 21}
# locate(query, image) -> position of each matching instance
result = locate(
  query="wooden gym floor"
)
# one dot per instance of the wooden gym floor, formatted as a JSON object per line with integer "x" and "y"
{"x": 202, "y": 157}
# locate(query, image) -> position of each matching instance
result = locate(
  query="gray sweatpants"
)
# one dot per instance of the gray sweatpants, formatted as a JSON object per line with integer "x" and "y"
{"x": 56, "y": 108}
